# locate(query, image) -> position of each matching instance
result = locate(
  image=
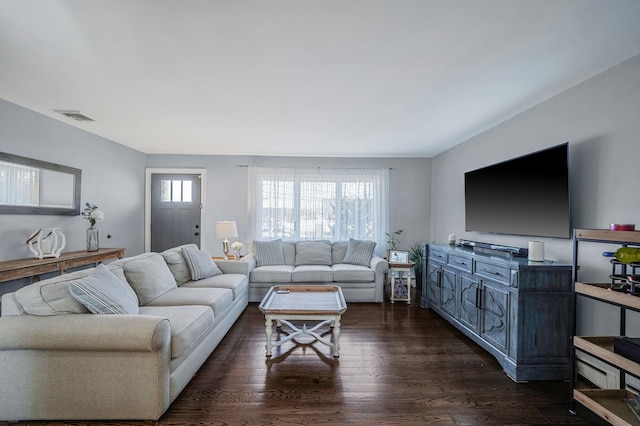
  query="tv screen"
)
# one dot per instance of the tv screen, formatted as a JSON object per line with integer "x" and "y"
{"x": 528, "y": 195}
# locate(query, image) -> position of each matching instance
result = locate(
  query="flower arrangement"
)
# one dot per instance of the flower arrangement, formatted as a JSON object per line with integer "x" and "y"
{"x": 92, "y": 214}
{"x": 237, "y": 245}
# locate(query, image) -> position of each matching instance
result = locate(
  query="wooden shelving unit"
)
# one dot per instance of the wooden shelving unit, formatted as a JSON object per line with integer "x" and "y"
{"x": 607, "y": 403}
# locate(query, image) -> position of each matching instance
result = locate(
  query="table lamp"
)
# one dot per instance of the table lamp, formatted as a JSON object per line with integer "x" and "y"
{"x": 226, "y": 229}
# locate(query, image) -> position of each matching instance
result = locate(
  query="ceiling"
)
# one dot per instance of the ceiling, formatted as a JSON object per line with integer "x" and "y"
{"x": 339, "y": 78}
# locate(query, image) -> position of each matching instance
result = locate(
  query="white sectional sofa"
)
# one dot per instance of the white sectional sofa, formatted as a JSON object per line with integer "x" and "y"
{"x": 59, "y": 361}
{"x": 352, "y": 265}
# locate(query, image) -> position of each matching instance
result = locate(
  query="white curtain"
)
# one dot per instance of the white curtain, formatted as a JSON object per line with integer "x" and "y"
{"x": 317, "y": 203}
{"x": 19, "y": 185}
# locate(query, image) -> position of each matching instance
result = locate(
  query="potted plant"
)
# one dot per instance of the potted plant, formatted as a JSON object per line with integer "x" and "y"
{"x": 392, "y": 240}
{"x": 415, "y": 256}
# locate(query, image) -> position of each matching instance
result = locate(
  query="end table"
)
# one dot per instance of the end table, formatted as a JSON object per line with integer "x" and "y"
{"x": 400, "y": 268}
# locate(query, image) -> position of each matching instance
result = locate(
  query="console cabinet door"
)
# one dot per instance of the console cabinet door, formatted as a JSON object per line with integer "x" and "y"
{"x": 448, "y": 288}
{"x": 434, "y": 274}
{"x": 495, "y": 314}
{"x": 468, "y": 312}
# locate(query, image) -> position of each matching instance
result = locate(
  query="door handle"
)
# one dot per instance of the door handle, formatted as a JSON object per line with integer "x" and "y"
{"x": 196, "y": 234}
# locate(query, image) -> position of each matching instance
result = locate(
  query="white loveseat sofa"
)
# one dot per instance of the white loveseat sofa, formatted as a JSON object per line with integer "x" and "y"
{"x": 352, "y": 265}
{"x": 59, "y": 361}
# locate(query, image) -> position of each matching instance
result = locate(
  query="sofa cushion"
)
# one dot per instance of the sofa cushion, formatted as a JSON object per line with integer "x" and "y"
{"x": 272, "y": 274}
{"x": 289, "y": 249}
{"x": 178, "y": 266}
{"x": 51, "y": 296}
{"x": 359, "y": 252}
{"x": 338, "y": 251}
{"x": 118, "y": 272}
{"x": 218, "y": 299}
{"x": 188, "y": 324}
{"x": 237, "y": 283}
{"x": 103, "y": 293}
{"x": 347, "y": 273}
{"x": 149, "y": 275}
{"x": 200, "y": 263}
{"x": 268, "y": 252}
{"x": 312, "y": 274}
{"x": 314, "y": 252}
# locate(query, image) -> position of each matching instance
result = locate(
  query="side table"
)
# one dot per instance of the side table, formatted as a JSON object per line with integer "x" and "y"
{"x": 400, "y": 268}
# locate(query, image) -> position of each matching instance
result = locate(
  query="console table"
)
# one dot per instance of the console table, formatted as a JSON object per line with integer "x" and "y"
{"x": 32, "y": 267}
{"x": 517, "y": 310}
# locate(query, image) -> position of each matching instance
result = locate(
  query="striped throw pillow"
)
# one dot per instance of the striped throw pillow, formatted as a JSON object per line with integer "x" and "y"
{"x": 199, "y": 263}
{"x": 104, "y": 293}
{"x": 359, "y": 252}
{"x": 268, "y": 252}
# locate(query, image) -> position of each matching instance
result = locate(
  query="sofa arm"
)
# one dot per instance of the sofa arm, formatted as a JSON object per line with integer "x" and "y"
{"x": 85, "y": 332}
{"x": 379, "y": 265}
{"x": 243, "y": 266}
{"x": 84, "y": 367}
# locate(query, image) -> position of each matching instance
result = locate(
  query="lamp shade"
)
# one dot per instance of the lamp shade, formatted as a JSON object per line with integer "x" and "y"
{"x": 226, "y": 229}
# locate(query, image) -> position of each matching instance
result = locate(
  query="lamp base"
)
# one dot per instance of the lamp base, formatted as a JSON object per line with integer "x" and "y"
{"x": 225, "y": 249}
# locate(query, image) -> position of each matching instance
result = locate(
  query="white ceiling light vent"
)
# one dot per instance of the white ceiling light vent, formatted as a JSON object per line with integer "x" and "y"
{"x": 73, "y": 114}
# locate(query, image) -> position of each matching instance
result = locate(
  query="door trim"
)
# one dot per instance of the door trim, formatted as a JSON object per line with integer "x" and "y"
{"x": 147, "y": 200}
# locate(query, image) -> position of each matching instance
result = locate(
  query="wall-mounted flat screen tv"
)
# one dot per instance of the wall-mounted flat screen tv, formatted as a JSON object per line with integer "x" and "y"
{"x": 528, "y": 195}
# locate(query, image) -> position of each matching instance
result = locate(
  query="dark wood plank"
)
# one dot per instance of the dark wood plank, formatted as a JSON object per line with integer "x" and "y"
{"x": 399, "y": 364}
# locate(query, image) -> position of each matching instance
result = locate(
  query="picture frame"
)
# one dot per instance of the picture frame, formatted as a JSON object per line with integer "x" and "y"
{"x": 398, "y": 256}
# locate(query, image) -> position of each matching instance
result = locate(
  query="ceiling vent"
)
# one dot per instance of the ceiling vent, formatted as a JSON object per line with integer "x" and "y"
{"x": 75, "y": 115}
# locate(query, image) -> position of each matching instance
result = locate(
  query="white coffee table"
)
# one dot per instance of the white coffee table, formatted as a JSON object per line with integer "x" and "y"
{"x": 322, "y": 304}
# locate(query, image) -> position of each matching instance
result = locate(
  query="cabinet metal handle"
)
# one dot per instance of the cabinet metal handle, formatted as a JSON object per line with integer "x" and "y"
{"x": 479, "y": 297}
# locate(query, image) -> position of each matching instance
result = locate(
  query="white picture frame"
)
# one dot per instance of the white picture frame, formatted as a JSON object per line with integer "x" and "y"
{"x": 398, "y": 256}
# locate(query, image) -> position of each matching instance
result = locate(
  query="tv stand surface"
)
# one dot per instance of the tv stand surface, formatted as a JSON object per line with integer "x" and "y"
{"x": 513, "y": 251}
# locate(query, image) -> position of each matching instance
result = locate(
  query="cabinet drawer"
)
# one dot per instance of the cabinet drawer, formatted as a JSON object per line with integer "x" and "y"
{"x": 437, "y": 255}
{"x": 497, "y": 273}
{"x": 460, "y": 262}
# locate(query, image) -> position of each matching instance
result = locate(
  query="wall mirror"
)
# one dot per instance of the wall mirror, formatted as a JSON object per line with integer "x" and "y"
{"x": 29, "y": 186}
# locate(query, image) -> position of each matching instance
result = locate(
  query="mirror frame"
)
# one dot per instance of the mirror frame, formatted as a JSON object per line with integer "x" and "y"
{"x": 77, "y": 177}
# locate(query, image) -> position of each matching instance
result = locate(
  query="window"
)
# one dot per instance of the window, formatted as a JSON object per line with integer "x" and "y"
{"x": 176, "y": 191}
{"x": 333, "y": 204}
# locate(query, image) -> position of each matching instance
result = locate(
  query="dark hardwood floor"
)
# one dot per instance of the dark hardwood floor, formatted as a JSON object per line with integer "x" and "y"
{"x": 399, "y": 364}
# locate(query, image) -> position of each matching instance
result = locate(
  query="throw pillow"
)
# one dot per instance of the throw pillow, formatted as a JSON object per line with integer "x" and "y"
{"x": 268, "y": 252}
{"x": 104, "y": 293}
{"x": 148, "y": 275}
{"x": 200, "y": 263}
{"x": 359, "y": 252}
{"x": 177, "y": 265}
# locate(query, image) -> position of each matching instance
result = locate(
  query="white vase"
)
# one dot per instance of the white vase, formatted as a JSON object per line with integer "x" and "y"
{"x": 236, "y": 254}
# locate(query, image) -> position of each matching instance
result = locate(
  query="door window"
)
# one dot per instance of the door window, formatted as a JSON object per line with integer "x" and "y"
{"x": 176, "y": 191}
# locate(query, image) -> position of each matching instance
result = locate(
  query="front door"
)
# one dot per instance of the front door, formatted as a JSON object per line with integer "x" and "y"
{"x": 175, "y": 210}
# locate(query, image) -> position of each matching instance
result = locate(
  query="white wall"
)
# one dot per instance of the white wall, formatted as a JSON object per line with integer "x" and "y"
{"x": 226, "y": 196}
{"x": 600, "y": 119}
{"x": 112, "y": 179}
